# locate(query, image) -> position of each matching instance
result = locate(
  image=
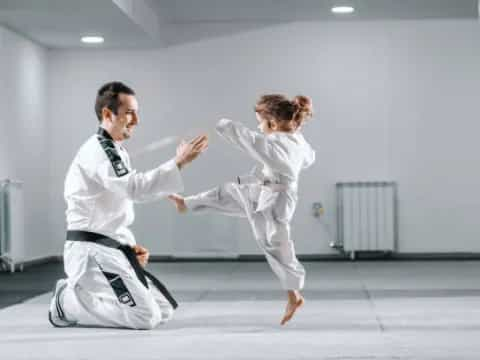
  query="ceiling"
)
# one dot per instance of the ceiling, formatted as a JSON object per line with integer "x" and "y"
{"x": 155, "y": 23}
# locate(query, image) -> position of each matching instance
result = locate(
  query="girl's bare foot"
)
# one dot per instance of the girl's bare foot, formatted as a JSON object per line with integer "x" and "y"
{"x": 295, "y": 300}
{"x": 179, "y": 203}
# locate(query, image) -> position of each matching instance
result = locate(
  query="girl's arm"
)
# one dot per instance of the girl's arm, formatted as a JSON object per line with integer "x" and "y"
{"x": 253, "y": 143}
{"x": 309, "y": 153}
{"x": 309, "y": 157}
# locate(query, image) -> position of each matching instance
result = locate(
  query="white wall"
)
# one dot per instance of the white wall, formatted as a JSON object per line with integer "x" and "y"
{"x": 434, "y": 129}
{"x": 24, "y": 146}
{"x": 394, "y": 100}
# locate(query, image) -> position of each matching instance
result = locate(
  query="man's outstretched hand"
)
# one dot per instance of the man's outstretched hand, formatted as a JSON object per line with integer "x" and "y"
{"x": 187, "y": 152}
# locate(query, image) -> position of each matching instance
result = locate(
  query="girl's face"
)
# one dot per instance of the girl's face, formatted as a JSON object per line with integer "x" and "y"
{"x": 264, "y": 125}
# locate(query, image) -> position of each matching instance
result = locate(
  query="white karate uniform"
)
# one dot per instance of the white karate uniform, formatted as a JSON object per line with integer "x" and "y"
{"x": 266, "y": 197}
{"x": 100, "y": 189}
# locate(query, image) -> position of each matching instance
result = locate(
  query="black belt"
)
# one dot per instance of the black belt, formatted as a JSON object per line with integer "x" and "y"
{"x": 142, "y": 274}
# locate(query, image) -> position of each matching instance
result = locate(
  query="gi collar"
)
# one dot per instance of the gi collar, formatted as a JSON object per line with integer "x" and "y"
{"x": 104, "y": 133}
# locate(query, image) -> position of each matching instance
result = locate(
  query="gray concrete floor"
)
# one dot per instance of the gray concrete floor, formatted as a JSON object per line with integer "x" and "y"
{"x": 231, "y": 310}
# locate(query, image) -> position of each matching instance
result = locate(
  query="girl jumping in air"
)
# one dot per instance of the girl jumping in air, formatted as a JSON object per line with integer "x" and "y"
{"x": 267, "y": 196}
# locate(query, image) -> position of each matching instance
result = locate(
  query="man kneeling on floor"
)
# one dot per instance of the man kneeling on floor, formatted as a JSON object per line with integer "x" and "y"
{"x": 106, "y": 282}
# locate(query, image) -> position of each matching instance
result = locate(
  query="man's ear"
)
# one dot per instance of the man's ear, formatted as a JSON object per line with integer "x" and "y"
{"x": 107, "y": 114}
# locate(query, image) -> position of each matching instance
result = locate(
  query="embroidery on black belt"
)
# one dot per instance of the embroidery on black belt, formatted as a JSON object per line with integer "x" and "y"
{"x": 120, "y": 289}
{"x": 112, "y": 154}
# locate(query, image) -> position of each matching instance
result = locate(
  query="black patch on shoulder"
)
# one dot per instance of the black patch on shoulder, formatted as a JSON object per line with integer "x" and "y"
{"x": 112, "y": 154}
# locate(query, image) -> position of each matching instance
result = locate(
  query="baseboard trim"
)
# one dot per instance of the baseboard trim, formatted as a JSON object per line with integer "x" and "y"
{"x": 34, "y": 262}
{"x": 436, "y": 256}
{"x": 460, "y": 256}
{"x": 360, "y": 256}
{"x": 44, "y": 260}
{"x": 241, "y": 258}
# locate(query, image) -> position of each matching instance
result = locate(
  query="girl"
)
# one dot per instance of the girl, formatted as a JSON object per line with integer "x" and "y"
{"x": 267, "y": 197}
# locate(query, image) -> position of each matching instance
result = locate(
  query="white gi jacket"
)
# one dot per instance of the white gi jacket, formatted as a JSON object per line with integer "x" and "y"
{"x": 266, "y": 196}
{"x": 101, "y": 187}
{"x": 282, "y": 156}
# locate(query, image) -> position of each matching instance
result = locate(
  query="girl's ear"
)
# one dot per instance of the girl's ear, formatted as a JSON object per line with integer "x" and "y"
{"x": 272, "y": 125}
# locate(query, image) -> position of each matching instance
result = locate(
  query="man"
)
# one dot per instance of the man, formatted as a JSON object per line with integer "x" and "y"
{"x": 107, "y": 284}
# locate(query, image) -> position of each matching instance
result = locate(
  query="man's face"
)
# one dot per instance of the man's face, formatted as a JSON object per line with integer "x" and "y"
{"x": 121, "y": 126}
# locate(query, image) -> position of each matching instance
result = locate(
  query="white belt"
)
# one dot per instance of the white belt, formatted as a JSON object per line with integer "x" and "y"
{"x": 278, "y": 187}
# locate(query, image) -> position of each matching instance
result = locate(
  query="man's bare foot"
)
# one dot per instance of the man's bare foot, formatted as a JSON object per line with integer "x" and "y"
{"x": 179, "y": 203}
{"x": 295, "y": 300}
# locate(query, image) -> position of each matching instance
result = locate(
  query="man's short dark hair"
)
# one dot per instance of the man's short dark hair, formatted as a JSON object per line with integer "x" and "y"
{"x": 107, "y": 96}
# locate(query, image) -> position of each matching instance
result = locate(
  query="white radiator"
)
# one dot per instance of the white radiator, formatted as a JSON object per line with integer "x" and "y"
{"x": 12, "y": 242}
{"x": 366, "y": 216}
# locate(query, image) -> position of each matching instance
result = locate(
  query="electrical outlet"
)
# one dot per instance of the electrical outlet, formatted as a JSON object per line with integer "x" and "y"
{"x": 317, "y": 209}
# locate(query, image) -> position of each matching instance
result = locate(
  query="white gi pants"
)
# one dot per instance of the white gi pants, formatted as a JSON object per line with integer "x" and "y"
{"x": 103, "y": 290}
{"x": 271, "y": 233}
